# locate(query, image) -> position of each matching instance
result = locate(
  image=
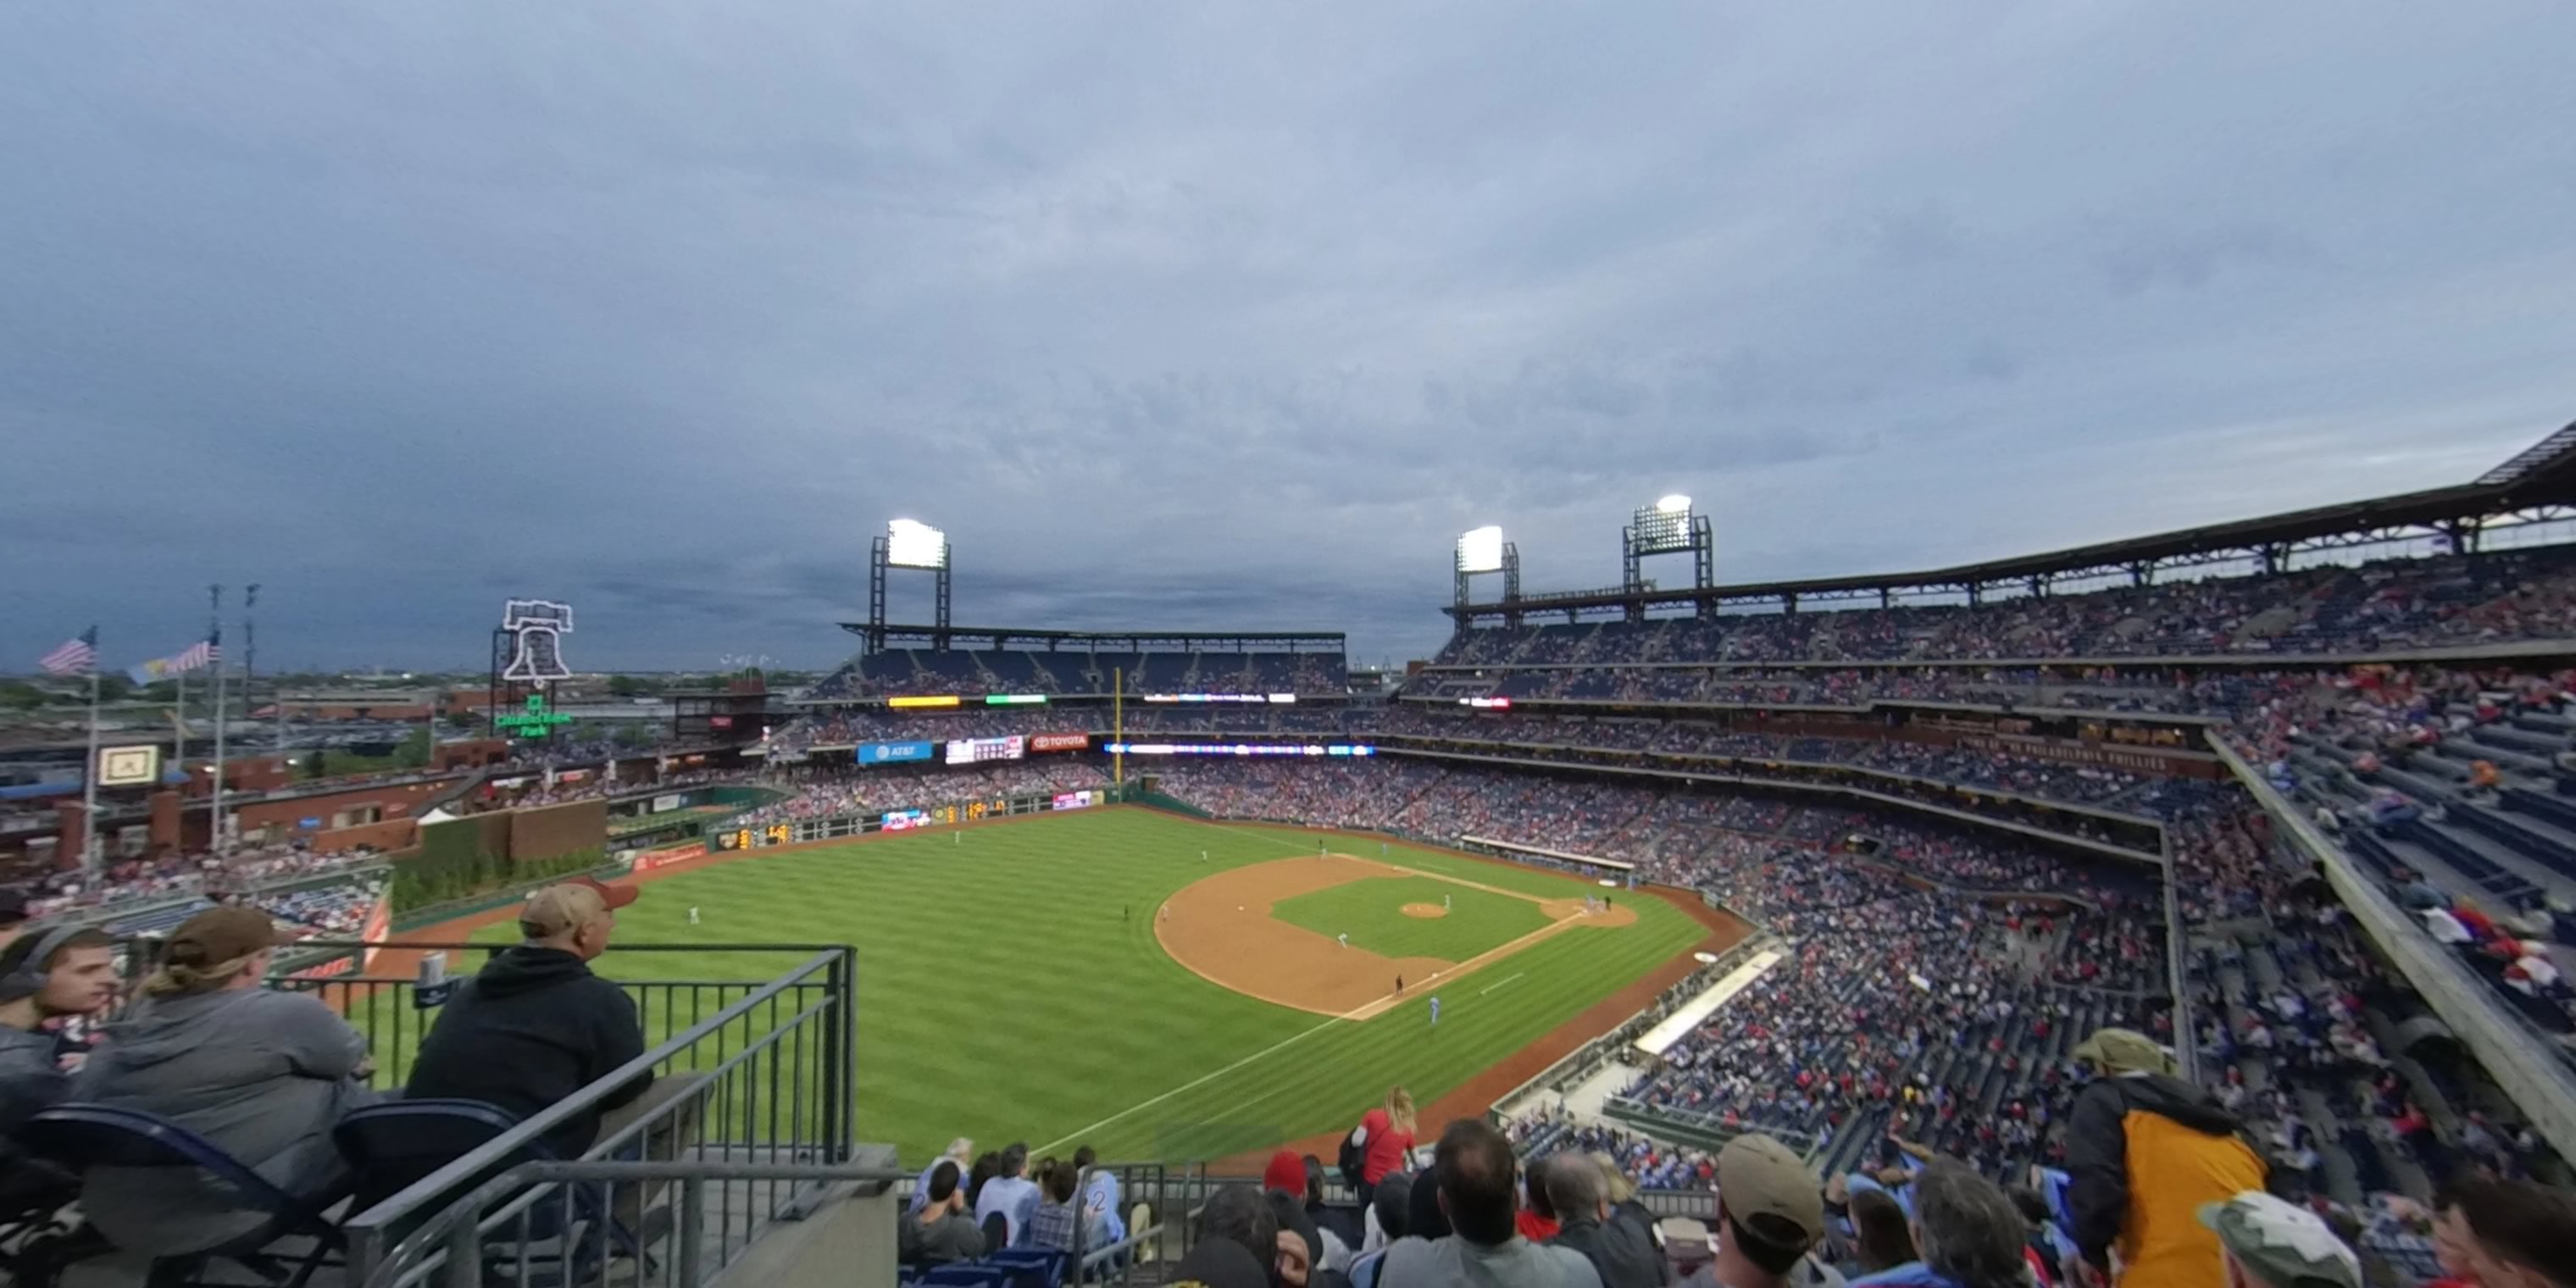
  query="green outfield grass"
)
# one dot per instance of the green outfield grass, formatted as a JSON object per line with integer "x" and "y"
{"x": 1010, "y": 986}
{"x": 1371, "y": 912}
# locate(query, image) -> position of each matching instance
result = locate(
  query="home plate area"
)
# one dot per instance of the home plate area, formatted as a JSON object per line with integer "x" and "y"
{"x": 1334, "y": 933}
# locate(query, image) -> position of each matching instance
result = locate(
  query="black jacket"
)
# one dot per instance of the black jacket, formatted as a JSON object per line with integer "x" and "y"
{"x": 1621, "y": 1249}
{"x": 2098, "y": 1151}
{"x": 532, "y": 1028}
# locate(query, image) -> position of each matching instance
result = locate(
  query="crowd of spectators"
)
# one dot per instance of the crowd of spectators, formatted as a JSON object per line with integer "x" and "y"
{"x": 1063, "y": 672}
{"x": 2393, "y": 604}
{"x": 817, "y": 793}
{"x": 524, "y": 789}
{"x": 1937, "y": 972}
{"x": 138, "y": 880}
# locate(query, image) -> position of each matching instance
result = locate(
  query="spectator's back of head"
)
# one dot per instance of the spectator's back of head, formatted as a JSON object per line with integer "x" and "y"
{"x": 943, "y": 1182}
{"x": 1774, "y": 1207}
{"x": 1015, "y": 1158}
{"x": 1290, "y": 1215}
{"x": 1239, "y": 1214}
{"x": 1616, "y": 1188}
{"x": 987, "y": 1166}
{"x": 1477, "y": 1169}
{"x": 1394, "y": 1204}
{"x": 1534, "y": 1190}
{"x": 1572, "y": 1185}
{"x": 1062, "y": 1180}
{"x": 2270, "y": 1242}
{"x": 1966, "y": 1229}
{"x": 2521, "y": 1233}
{"x": 219, "y": 948}
{"x": 1425, "y": 1216}
{"x": 1879, "y": 1227}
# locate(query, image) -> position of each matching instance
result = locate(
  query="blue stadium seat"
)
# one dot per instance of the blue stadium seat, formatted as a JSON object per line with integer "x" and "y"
{"x": 1032, "y": 1267}
{"x": 81, "y": 1136}
{"x": 973, "y": 1274}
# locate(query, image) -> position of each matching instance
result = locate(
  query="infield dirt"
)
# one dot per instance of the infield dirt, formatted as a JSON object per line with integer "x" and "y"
{"x": 1220, "y": 929}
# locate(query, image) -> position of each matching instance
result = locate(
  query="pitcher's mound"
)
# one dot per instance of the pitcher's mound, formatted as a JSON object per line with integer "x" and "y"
{"x": 1425, "y": 910}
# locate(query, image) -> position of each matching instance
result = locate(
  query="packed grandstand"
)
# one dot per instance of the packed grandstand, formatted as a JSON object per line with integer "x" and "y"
{"x": 2262, "y": 830}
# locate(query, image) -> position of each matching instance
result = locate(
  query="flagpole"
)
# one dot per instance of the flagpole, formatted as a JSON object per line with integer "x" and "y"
{"x": 250, "y": 657}
{"x": 214, "y": 632}
{"x": 89, "y": 773}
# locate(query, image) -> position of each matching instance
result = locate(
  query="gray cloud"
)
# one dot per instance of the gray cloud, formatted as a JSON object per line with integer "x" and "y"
{"x": 1188, "y": 316}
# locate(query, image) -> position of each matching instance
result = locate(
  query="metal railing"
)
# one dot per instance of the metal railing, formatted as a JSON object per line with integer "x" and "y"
{"x": 529, "y": 1225}
{"x": 766, "y": 1080}
{"x": 2524, "y": 1062}
{"x": 395, "y": 1015}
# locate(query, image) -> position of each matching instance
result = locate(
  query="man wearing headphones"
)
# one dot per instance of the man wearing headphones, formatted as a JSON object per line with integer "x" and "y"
{"x": 46, "y": 975}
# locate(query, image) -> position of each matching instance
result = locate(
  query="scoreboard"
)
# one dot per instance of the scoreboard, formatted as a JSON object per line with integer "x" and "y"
{"x": 976, "y": 751}
{"x": 744, "y": 838}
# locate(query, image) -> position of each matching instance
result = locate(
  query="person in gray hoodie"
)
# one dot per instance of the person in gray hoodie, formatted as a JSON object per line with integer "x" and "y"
{"x": 261, "y": 1075}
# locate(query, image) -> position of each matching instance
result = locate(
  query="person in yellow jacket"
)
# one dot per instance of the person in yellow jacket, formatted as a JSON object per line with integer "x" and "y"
{"x": 2144, "y": 1151}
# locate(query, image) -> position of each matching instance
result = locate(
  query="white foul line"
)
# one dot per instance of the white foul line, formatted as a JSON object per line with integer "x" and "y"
{"x": 1283, "y": 1043}
{"x": 1498, "y": 984}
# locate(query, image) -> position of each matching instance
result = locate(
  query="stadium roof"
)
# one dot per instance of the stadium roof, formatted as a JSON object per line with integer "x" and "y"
{"x": 2543, "y": 475}
{"x": 1116, "y": 641}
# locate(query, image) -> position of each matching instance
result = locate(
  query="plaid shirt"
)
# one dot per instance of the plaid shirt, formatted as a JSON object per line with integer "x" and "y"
{"x": 2396, "y": 1243}
{"x": 1051, "y": 1226}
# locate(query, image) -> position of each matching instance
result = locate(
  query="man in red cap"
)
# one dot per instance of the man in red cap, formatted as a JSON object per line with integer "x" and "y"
{"x": 535, "y": 1026}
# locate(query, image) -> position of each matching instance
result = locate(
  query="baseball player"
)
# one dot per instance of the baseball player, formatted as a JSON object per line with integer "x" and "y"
{"x": 1435, "y": 1010}
{"x": 693, "y": 914}
{"x": 1345, "y": 939}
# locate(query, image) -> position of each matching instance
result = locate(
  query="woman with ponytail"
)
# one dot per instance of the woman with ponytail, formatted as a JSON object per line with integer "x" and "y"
{"x": 262, "y": 1075}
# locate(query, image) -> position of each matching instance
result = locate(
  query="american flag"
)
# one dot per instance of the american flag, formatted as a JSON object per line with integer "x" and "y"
{"x": 205, "y": 652}
{"x": 75, "y": 657}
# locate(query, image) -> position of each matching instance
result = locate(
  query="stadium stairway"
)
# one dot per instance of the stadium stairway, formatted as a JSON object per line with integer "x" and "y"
{"x": 2512, "y": 856}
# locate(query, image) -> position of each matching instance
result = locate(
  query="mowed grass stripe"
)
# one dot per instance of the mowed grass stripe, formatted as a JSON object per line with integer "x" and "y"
{"x": 1010, "y": 986}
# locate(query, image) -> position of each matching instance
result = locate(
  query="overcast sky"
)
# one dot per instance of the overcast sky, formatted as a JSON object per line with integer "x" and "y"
{"x": 1204, "y": 315}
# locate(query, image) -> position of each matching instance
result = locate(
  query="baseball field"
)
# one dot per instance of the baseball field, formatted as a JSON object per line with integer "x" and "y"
{"x": 1091, "y": 978}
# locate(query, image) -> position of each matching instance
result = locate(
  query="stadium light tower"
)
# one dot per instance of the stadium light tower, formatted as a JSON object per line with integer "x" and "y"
{"x": 1484, "y": 551}
{"x": 1670, "y": 526}
{"x": 911, "y": 544}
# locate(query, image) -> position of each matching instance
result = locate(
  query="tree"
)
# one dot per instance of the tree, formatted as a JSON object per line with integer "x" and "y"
{"x": 413, "y": 751}
{"x": 624, "y": 686}
{"x": 113, "y": 687}
{"x": 18, "y": 695}
{"x": 161, "y": 691}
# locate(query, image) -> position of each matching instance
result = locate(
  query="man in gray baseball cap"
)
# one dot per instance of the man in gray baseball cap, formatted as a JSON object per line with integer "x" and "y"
{"x": 2266, "y": 1242}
